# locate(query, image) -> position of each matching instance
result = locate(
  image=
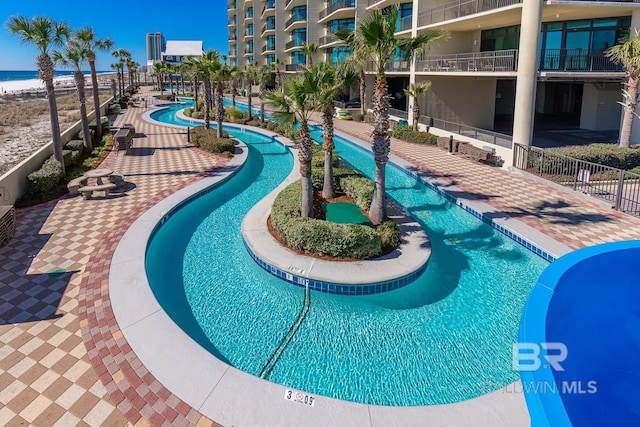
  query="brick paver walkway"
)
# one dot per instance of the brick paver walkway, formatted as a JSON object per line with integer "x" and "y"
{"x": 54, "y": 292}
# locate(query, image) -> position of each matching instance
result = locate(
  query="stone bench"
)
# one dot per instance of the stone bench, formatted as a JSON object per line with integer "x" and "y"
{"x": 118, "y": 180}
{"x": 76, "y": 183}
{"x": 123, "y": 139}
{"x": 475, "y": 153}
{"x": 443, "y": 142}
{"x": 7, "y": 224}
{"x": 87, "y": 191}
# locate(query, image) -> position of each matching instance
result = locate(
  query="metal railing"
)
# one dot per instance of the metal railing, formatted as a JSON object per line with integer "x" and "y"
{"x": 390, "y": 67}
{"x": 459, "y": 9}
{"x": 232, "y": 37}
{"x": 576, "y": 60}
{"x": 267, "y": 47}
{"x": 484, "y": 135}
{"x": 294, "y": 43}
{"x": 398, "y": 113}
{"x": 293, "y": 67}
{"x": 405, "y": 23}
{"x": 500, "y": 60}
{"x": 620, "y": 187}
{"x": 295, "y": 18}
{"x": 340, "y": 4}
{"x": 327, "y": 39}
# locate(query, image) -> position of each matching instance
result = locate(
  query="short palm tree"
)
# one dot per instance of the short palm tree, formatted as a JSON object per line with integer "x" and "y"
{"x": 309, "y": 50}
{"x": 204, "y": 67}
{"x": 74, "y": 55}
{"x": 45, "y": 34}
{"x": 295, "y": 104}
{"x": 158, "y": 69}
{"x": 627, "y": 53}
{"x": 278, "y": 78}
{"x": 170, "y": 69}
{"x": 249, "y": 76}
{"x": 222, "y": 73}
{"x": 357, "y": 62}
{"x": 376, "y": 36}
{"x": 236, "y": 77}
{"x": 262, "y": 74}
{"x": 91, "y": 44}
{"x": 414, "y": 91}
{"x": 121, "y": 55}
{"x": 330, "y": 83}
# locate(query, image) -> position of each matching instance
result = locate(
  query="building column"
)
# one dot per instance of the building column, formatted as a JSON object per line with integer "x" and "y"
{"x": 412, "y": 69}
{"x": 523, "y": 115}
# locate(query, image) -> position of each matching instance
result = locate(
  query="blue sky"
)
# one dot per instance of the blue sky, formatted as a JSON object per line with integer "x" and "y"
{"x": 126, "y": 22}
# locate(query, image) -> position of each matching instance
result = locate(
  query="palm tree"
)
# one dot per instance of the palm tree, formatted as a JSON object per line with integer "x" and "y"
{"x": 330, "y": 83}
{"x": 158, "y": 69}
{"x": 87, "y": 37}
{"x": 376, "y": 35}
{"x": 414, "y": 91}
{"x": 222, "y": 73}
{"x": 627, "y": 53}
{"x": 278, "y": 78}
{"x": 45, "y": 34}
{"x": 237, "y": 76}
{"x": 121, "y": 55}
{"x": 204, "y": 66}
{"x": 309, "y": 50}
{"x": 170, "y": 69}
{"x": 74, "y": 55}
{"x": 357, "y": 62}
{"x": 249, "y": 75}
{"x": 262, "y": 74}
{"x": 296, "y": 103}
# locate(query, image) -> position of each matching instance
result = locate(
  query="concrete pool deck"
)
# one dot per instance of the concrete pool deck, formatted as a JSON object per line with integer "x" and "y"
{"x": 50, "y": 377}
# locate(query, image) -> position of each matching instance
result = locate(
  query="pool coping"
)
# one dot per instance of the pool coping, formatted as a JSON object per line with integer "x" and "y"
{"x": 230, "y": 396}
{"x": 547, "y": 409}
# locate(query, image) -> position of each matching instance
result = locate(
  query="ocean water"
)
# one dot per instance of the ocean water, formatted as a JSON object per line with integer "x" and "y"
{"x": 13, "y": 75}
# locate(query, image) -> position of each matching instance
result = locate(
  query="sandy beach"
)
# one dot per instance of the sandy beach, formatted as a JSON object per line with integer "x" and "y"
{"x": 63, "y": 82}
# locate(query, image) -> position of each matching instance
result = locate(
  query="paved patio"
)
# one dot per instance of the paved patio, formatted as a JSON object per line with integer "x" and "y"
{"x": 64, "y": 361}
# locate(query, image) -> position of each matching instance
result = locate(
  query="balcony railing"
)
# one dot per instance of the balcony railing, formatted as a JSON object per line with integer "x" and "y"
{"x": 459, "y": 9}
{"x": 405, "y": 23}
{"x": 500, "y": 60}
{"x": 293, "y": 67}
{"x": 327, "y": 39}
{"x": 294, "y": 43}
{"x": 488, "y": 136}
{"x": 268, "y": 7}
{"x": 391, "y": 67}
{"x": 267, "y": 28}
{"x": 248, "y": 51}
{"x": 268, "y": 47}
{"x": 576, "y": 60}
{"x": 295, "y": 18}
{"x": 232, "y": 37}
{"x": 341, "y": 4}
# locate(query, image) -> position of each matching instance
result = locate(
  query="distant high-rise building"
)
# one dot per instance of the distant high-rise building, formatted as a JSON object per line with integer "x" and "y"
{"x": 155, "y": 46}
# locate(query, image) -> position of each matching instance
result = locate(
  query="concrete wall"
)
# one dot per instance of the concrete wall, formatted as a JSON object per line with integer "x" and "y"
{"x": 13, "y": 184}
{"x": 457, "y": 99}
{"x": 600, "y": 108}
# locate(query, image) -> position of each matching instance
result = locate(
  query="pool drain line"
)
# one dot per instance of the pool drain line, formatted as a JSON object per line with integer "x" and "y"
{"x": 286, "y": 340}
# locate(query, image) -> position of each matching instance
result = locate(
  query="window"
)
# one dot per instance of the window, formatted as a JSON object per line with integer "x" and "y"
{"x": 298, "y": 57}
{"x": 250, "y": 12}
{"x": 299, "y": 36}
{"x": 336, "y": 24}
{"x": 271, "y": 23}
{"x": 271, "y": 43}
{"x": 271, "y": 58}
{"x": 299, "y": 13}
{"x": 338, "y": 54}
{"x": 250, "y": 30}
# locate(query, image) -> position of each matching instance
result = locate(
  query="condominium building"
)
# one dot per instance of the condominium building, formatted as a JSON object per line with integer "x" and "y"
{"x": 507, "y": 65}
{"x": 155, "y": 46}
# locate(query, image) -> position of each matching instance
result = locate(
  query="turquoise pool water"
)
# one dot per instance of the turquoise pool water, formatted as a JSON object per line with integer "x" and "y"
{"x": 445, "y": 338}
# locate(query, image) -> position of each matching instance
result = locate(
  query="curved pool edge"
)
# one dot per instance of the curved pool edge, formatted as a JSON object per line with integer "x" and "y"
{"x": 232, "y": 397}
{"x": 547, "y": 409}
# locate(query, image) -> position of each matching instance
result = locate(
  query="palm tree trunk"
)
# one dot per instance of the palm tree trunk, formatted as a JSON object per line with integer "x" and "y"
{"x": 249, "y": 114}
{"x": 234, "y": 88}
{"x": 262, "y": 90}
{"x": 46, "y": 70}
{"x": 195, "y": 94}
{"x": 207, "y": 103}
{"x": 328, "y": 191}
{"x": 378, "y": 209}
{"x": 629, "y": 108}
{"x": 79, "y": 79}
{"x": 304, "y": 155}
{"x": 278, "y": 79}
{"x": 363, "y": 88}
{"x": 96, "y": 100}
{"x": 416, "y": 113}
{"x": 219, "y": 107}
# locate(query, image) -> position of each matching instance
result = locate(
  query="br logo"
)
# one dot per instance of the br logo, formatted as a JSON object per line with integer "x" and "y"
{"x": 530, "y": 356}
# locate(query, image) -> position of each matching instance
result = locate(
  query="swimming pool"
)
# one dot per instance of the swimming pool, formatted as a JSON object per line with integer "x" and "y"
{"x": 445, "y": 338}
{"x": 586, "y": 302}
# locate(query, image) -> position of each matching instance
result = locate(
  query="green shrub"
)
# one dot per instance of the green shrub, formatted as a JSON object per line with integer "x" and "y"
{"x": 318, "y": 236}
{"x": 317, "y": 161}
{"x": 188, "y": 111}
{"x": 358, "y": 117}
{"x": 197, "y": 115}
{"x": 635, "y": 170}
{"x": 317, "y": 177}
{"x": 389, "y": 233}
{"x": 75, "y": 145}
{"x": 208, "y": 140}
{"x": 359, "y": 188}
{"x": 604, "y": 154}
{"x": 234, "y": 115}
{"x": 42, "y": 182}
{"x": 398, "y": 130}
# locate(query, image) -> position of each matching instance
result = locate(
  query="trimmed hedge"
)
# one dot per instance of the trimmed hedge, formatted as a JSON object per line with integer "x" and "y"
{"x": 43, "y": 181}
{"x": 207, "y": 140}
{"x": 360, "y": 189}
{"x": 234, "y": 115}
{"x": 405, "y": 133}
{"x": 318, "y": 236}
{"x": 75, "y": 145}
{"x": 389, "y": 233}
{"x": 317, "y": 161}
{"x": 604, "y": 154}
{"x": 317, "y": 177}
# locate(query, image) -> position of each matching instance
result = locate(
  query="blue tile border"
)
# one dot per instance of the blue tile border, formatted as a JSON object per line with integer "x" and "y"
{"x": 337, "y": 288}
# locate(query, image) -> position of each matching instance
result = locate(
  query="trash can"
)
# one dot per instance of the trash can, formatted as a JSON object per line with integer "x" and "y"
{"x": 402, "y": 122}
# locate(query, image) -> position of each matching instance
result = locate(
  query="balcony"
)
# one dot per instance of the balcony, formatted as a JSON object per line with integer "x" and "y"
{"x": 494, "y": 61}
{"x": 231, "y": 5}
{"x": 248, "y": 35}
{"x": 405, "y": 23}
{"x": 381, "y": 4}
{"x": 268, "y": 48}
{"x": 290, "y": 4}
{"x": 267, "y": 29}
{"x": 398, "y": 66}
{"x": 232, "y": 38}
{"x": 293, "y": 44}
{"x": 295, "y": 22}
{"x": 460, "y": 9}
{"x": 268, "y": 9}
{"x": 232, "y": 22}
{"x": 338, "y": 10}
{"x": 292, "y": 68}
{"x": 326, "y": 40}
{"x": 248, "y": 3}
{"x": 248, "y": 51}
{"x": 248, "y": 17}
{"x": 576, "y": 60}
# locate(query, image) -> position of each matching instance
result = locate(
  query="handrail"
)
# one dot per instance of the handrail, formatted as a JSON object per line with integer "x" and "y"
{"x": 288, "y": 337}
{"x": 459, "y": 9}
{"x": 576, "y": 59}
{"x": 484, "y": 135}
{"x": 336, "y": 5}
{"x": 499, "y": 60}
